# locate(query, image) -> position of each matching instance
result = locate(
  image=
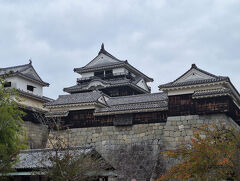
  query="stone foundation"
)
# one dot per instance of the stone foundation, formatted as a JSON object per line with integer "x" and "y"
{"x": 37, "y": 134}
{"x": 134, "y": 151}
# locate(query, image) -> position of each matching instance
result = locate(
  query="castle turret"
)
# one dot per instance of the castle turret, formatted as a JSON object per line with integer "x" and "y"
{"x": 110, "y": 75}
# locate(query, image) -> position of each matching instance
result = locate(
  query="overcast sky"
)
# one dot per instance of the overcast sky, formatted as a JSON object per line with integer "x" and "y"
{"x": 162, "y": 38}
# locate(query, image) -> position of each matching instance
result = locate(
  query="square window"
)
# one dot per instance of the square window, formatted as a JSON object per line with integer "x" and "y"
{"x": 7, "y": 84}
{"x": 30, "y": 88}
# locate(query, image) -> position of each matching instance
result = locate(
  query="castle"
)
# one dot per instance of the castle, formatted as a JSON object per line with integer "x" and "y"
{"x": 111, "y": 108}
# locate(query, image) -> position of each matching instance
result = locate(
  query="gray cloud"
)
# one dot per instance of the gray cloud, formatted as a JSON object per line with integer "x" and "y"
{"x": 162, "y": 38}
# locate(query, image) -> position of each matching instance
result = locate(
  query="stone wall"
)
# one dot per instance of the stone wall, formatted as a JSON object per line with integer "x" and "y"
{"x": 37, "y": 134}
{"x": 134, "y": 151}
{"x": 180, "y": 128}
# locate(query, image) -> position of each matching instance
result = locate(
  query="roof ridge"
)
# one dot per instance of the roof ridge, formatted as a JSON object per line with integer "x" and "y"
{"x": 105, "y": 52}
{"x": 104, "y": 65}
{"x": 102, "y": 50}
{"x": 215, "y": 78}
{"x": 82, "y": 93}
{"x": 139, "y": 103}
{"x": 15, "y": 66}
{"x": 192, "y": 82}
{"x": 137, "y": 95}
{"x": 194, "y": 66}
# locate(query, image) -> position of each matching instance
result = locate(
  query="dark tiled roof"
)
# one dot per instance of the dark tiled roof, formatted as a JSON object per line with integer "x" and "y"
{"x": 113, "y": 65}
{"x": 213, "y": 79}
{"x": 136, "y": 102}
{"x": 99, "y": 67}
{"x": 13, "y": 69}
{"x": 200, "y": 70}
{"x": 118, "y": 63}
{"x": 103, "y": 51}
{"x": 140, "y": 98}
{"x": 193, "y": 82}
{"x": 39, "y": 158}
{"x": 20, "y": 71}
{"x": 212, "y": 92}
{"x": 107, "y": 83}
{"x": 134, "y": 107}
{"x": 78, "y": 98}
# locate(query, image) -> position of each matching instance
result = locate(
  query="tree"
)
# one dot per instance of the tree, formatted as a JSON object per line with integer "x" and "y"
{"x": 212, "y": 154}
{"x": 12, "y": 134}
{"x": 66, "y": 163}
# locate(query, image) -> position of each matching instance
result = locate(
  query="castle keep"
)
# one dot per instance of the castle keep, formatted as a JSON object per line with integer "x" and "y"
{"x": 112, "y": 109}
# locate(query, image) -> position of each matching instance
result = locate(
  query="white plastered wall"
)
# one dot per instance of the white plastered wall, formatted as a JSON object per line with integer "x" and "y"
{"x": 120, "y": 71}
{"x": 87, "y": 74}
{"x": 143, "y": 85}
{"x": 21, "y": 84}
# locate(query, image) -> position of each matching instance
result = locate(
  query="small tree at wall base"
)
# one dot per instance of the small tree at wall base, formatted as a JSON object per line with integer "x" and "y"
{"x": 213, "y": 154}
{"x": 67, "y": 163}
{"x": 12, "y": 134}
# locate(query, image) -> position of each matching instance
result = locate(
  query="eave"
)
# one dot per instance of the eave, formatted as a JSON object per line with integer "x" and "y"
{"x": 75, "y": 105}
{"x": 124, "y": 64}
{"x": 192, "y": 86}
{"x": 130, "y": 111}
{"x": 107, "y": 86}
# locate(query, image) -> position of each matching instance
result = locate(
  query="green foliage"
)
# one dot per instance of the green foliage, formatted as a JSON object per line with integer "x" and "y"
{"x": 213, "y": 154}
{"x": 12, "y": 134}
{"x": 69, "y": 165}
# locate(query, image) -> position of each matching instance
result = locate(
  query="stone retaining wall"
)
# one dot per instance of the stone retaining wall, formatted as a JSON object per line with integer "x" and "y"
{"x": 134, "y": 150}
{"x": 37, "y": 134}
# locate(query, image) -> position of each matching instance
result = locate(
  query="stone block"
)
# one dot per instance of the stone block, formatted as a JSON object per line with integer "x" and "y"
{"x": 169, "y": 139}
{"x": 185, "y": 122}
{"x": 182, "y": 118}
{"x": 187, "y": 126}
{"x": 177, "y": 133}
{"x": 187, "y": 138}
{"x": 189, "y": 132}
{"x": 174, "y": 123}
{"x": 166, "y": 133}
{"x": 161, "y": 127}
{"x": 179, "y": 123}
{"x": 195, "y": 116}
{"x": 169, "y": 123}
{"x": 173, "y": 118}
{"x": 160, "y": 131}
{"x": 169, "y": 128}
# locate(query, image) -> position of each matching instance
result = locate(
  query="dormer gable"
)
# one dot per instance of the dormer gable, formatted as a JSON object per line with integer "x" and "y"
{"x": 25, "y": 71}
{"x": 103, "y": 58}
{"x": 141, "y": 83}
{"x": 194, "y": 74}
{"x": 31, "y": 73}
{"x": 105, "y": 61}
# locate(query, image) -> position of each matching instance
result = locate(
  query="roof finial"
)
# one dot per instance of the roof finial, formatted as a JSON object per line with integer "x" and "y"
{"x": 194, "y": 65}
{"x": 30, "y": 61}
{"x": 102, "y": 49}
{"x": 102, "y": 46}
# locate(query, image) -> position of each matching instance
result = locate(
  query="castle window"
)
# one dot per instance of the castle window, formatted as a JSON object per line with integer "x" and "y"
{"x": 7, "y": 84}
{"x": 109, "y": 72}
{"x": 99, "y": 74}
{"x": 30, "y": 88}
